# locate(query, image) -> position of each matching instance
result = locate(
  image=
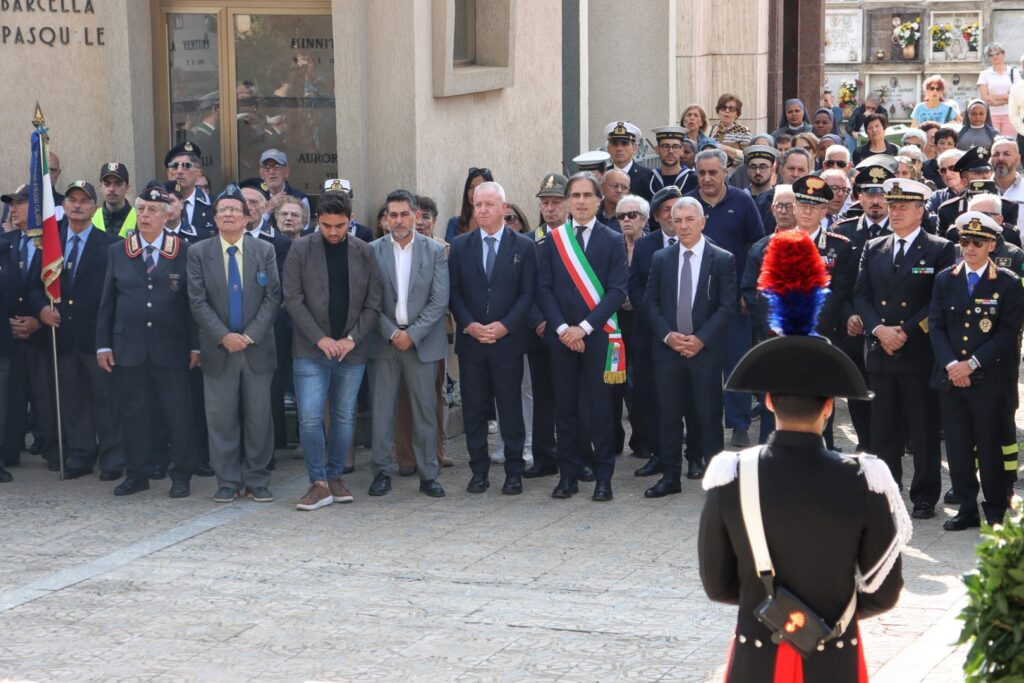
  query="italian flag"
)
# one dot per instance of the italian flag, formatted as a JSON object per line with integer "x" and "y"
{"x": 41, "y": 216}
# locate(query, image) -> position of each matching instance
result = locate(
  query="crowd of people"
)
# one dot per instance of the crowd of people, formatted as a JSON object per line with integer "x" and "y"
{"x": 189, "y": 320}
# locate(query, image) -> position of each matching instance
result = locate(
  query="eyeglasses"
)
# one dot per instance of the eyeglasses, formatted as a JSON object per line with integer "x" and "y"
{"x": 628, "y": 214}
{"x": 175, "y": 165}
{"x": 832, "y": 163}
{"x": 670, "y": 148}
{"x": 230, "y": 210}
{"x": 937, "y": 88}
{"x": 783, "y": 206}
{"x": 946, "y": 169}
{"x": 976, "y": 241}
{"x": 618, "y": 187}
{"x": 511, "y": 218}
{"x": 839, "y": 189}
{"x": 759, "y": 168}
{"x": 728, "y": 107}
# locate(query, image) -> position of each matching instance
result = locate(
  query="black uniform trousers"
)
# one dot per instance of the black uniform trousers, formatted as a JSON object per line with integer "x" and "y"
{"x": 493, "y": 376}
{"x": 972, "y": 421}
{"x": 582, "y": 398}
{"x": 899, "y": 396}
{"x": 689, "y": 392}
{"x": 30, "y": 380}
{"x": 89, "y": 416}
{"x": 141, "y": 392}
{"x": 545, "y": 452}
{"x": 1008, "y": 437}
{"x": 643, "y": 414}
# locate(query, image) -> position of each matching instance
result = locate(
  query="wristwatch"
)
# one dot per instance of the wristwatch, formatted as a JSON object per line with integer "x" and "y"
{"x": 351, "y": 339}
{"x": 972, "y": 363}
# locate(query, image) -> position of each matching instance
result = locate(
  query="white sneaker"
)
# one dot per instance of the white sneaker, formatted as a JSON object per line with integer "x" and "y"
{"x": 528, "y": 458}
{"x": 492, "y": 426}
{"x": 497, "y": 458}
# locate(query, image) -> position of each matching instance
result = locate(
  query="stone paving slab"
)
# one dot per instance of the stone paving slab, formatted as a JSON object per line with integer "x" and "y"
{"x": 401, "y": 588}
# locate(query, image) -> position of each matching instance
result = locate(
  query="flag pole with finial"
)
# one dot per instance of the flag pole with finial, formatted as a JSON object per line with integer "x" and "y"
{"x": 43, "y": 218}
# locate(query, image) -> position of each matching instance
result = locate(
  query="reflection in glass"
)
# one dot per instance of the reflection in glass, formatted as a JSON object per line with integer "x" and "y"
{"x": 194, "y": 88}
{"x": 284, "y": 84}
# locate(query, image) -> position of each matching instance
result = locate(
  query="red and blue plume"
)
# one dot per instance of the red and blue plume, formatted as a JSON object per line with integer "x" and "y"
{"x": 794, "y": 281}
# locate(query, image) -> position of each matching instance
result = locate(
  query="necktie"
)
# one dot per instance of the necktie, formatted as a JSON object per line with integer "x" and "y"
{"x": 671, "y": 241}
{"x": 972, "y": 280}
{"x": 186, "y": 218}
{"x": 900, "y": 253}
{"x": 684, "y": 306}
{"x": 489, "y": 259}
{"x": 234, "y": 292}
{"x": 875, "y": 230}
{"x": 579, "y": 235}
{"x": 25, "y": 265}
{"x": 150, "y": 261}
{"x": 72, "y": 260}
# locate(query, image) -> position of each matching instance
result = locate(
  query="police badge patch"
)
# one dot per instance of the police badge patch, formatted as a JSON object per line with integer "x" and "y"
{"x": 261, "y": 278}
{"x": 174, "y": 281}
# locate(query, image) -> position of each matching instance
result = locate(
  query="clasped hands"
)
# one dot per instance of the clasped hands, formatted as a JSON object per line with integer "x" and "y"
{"x": 335, "y": 349}
{"x": 686, "y": 345}
{"x": 486, "y": 334}
{"x": 891, "y": 337}
{"x": 960, "y": 374}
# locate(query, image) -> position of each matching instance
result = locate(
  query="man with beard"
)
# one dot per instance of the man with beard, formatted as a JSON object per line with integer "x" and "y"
{"x": 670, "y": 153}
{"x": 975, "y": 164}
{"x": 1005, "y": 160}
{"x": 760, "y": 161}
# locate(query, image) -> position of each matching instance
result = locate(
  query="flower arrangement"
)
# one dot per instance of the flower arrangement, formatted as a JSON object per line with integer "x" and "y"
{"x": 942, "y": 36}
{"x": 972, "y": 34}
{"x": 848, "y": 91}
{"x": 908, "y": 33}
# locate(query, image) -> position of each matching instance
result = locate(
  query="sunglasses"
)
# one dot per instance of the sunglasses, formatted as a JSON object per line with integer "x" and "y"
{"x": 627, "y": 214}
{"x": 976, "y": 241}
{"x": 832, "y": 163}
{"x": 481, "y": 171}
{"x": 727, "y": 107}
{"x": 175, "y": 165}
{"x": 946, "y": 169}
{"x": 937, "y": 88}
{"x": 511, "y": 218}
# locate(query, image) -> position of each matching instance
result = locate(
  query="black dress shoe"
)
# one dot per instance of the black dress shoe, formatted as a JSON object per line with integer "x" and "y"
{"x": 663, "y": 487}
{"x": 53, "y": 465}
{"x": 650, "y": 468}
{"x": 179, "y": 489}
{"x": 5, "y": 476}
{"x": 602, "y": 490}
{"x": 131, "y": 485}
{"x": 203, "y": 469}
{"x": 381, "y": 485}
{"x": 110, "y": 475}
{"x": 159, "y": 472}
{"x": 565, "y": 488}
{"x": 586, "y": 473}
{"x": 961, "y": 522}
{"x": 513, "y": 486}
{"x": 478, "y": 483}
{"x": 349, "y": 470}
{"x": 75, "y": 472}
{"x": 432, "y": 488}
{"x": 695, "y": 470}
{"x": 923, "y": 511}
{"x": 951, "y": 498}
{"x": 539, "y": 471}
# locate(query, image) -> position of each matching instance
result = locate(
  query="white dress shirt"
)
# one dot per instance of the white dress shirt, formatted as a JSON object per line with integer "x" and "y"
{"x": 588, "y": 230}
{"x": 695, "y": 261}
{"x": 403, "y": 273}
{"x": 909, "y": 240}
{"x": 668, "y": 240}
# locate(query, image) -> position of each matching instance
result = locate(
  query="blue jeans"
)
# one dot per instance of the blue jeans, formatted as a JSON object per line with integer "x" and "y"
{"x": 316, "y": 379}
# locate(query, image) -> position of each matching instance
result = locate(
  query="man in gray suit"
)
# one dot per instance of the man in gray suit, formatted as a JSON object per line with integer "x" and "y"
{"x": 332, "y": 293}
{"x": 235, "y": 293}
{"x": 409, "y": 342}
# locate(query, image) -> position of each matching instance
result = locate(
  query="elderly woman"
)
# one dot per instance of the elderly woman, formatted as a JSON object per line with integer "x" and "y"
{"x": 978, "y": 130}
{"x": 731, "y": 137}
{"x": 632, "y": 212}
{"x": 934, "y": 107}
{"x": 695, "y": 121}
{"x": 909, "y": 162}
{"x": 290, "y": 214}
{"x": 994, "y": 85}
{"x": 875, "y": 125}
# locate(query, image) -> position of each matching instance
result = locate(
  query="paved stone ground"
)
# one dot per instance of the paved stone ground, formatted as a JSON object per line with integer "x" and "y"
{"x": 404, "y": 588}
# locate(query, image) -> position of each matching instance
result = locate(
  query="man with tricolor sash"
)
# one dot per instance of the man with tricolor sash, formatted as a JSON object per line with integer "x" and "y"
{"x": 582, "y": 282}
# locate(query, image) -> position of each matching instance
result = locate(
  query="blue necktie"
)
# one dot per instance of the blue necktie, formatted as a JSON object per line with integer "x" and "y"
{"x": 72, "y": 260}
{"x": 972, "y": 280}
{"x": 25, "y": 264}
{"x": 234, "y": 292}
{"x": 491, "y": 254}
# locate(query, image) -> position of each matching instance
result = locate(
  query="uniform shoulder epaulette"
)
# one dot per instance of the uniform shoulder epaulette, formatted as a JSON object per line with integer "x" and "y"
{"x": 846, "y": 221}
{"x": 539, "y": 234}
{"x": 1008, "y": 271}
{"x": 837, "y": 235}
{"x": 956, "y": 269}
{"x": 723, "y": 469}
{"x": 169, "y": 249}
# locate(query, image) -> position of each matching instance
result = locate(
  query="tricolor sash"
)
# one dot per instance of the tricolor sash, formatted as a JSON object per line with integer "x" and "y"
{"x": 590, "y": 288}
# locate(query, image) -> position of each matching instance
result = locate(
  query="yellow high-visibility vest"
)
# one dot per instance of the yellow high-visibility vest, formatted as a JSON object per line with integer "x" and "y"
{"x": 126, "y": 227}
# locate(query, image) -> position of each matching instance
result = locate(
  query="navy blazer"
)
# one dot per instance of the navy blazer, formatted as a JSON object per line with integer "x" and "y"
{"x": 639, "y": 272}
{"x": 80, "y": 298}
{"x": 714, "y": 302}
{"x": 9, "y": 277}
{"x": 506, "y": 298}
{"x": 560, "y": 301}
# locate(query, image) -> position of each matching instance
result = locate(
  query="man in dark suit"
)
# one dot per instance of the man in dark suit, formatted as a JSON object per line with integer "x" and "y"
{"x": 975, "y": 318}
{"x": 690, "y": 297}
{"x": 235, "y": 293}
{"x": 9, "y": 277}
{"x": 493, "y": 274}
{"x": 184, "y": 164}
{"x": 146, "y": 338}
{"x": 31, "y": 374}
{"x": 578, "y": 309}
{"x": 177, "y": 221}
{"x": 90, "y": 417}
{"x": 623, "y": 138}
{"x": 644, "y": 415}
{"x": 332, "y": 292}
{"x": 554, "y": 211}
{"x": 892, "y": 296}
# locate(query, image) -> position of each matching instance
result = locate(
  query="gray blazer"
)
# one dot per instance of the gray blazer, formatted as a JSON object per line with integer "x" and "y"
{"x": 306, "y": 290}
{"x": 427, "y": 302}
{"x": 261, "y": 299}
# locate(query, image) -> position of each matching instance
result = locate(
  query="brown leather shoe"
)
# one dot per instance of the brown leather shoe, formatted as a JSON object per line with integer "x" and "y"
{"x": 445, "y": 461}
{"x": 316, "y": 497}
{"x": 338, "y": 491}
